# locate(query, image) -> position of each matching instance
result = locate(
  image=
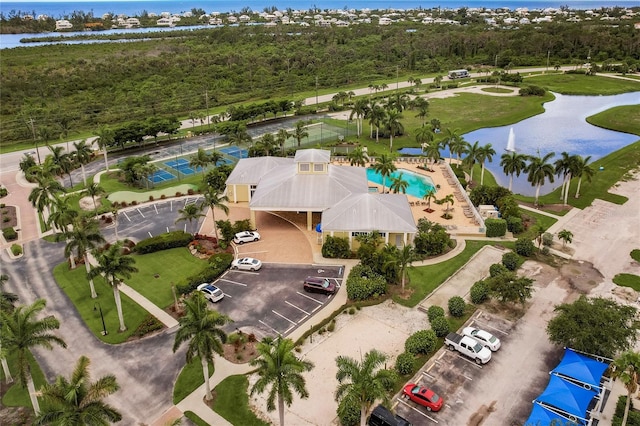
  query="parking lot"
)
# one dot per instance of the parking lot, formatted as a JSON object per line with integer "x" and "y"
{"x": 272, "y": 301}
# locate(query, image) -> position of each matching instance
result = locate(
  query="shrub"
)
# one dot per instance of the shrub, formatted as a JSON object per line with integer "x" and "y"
{"x": 547, "y": 239}
{"x": 336, "y": 248}
{"x": 162, "y": 196}
{"x": 9, "y": 234}
{"x": 434, "y": 312}
{"x": 479, "y": 292}
{"x": 150, "y": 324}
{"x": 511, "y": 261}
{"x": 496, "y": 227}
{"x": 134, "y": 203}
{"x": 151, "y": 198}
{"x": 362, "y": 288}
{"x": 163, "y": 242}
{"x": 456, "y": 306}
{"x": 532, "y": 91}
{"x": 16, "y": 249}
{"x": 190, "y": 191}
{"x": 496, "y": 269}
{"x": 514, "y": 224}
{"x": 440, "y": 326}
{"x": 218, "y": 263}
{"x": 3, "y": 192}
{"x": 421, "y": 342}
{"x": 404, "y": 363}
{"x": 524, "y": 247}
{"x": 178, "y": 194}
{"x": 332, "y": 325}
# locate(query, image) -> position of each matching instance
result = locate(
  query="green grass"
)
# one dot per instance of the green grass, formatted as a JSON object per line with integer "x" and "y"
{"x": 18, "y": 396}
{"x": 190, "y": 379}
{"x": 628, "y": 280}
{"x": 497, "y": 90}
{"x": 621, "y": 118}
{"x": 537, "y": 219}
{"x": 424, "y": 280}
{"x": 635, "y": 255}
{"x": 171, "y": 266}
{"x": 580, "y": 84}
{"x": 232, "y": 402}
{"x": 110, "y": 182}
{"x": 76, "y": 286}
{"x": 195, "y": 419}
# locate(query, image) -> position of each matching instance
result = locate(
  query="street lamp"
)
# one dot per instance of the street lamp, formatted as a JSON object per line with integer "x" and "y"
{"x": 104, "y": 331}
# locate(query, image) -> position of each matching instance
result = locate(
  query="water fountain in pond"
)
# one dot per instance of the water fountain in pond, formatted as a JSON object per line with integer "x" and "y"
{"x": 511, "y": 142}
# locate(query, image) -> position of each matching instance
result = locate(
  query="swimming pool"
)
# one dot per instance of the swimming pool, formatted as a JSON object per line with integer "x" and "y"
{"x": 418, "y": 184}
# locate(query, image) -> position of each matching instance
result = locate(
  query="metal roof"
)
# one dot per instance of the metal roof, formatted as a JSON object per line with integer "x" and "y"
{"x": 312, "y": 156}
{"x": 249, "y": 171}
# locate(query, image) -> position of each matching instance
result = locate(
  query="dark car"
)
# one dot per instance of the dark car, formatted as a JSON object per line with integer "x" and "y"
{"x": 383, "y": 417}
{"x": 319, "y": 285}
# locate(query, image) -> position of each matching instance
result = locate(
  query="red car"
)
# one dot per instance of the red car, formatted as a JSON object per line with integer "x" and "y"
{"x": 423, "y": 396}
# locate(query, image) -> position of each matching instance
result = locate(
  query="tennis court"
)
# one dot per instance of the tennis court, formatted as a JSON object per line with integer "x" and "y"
{"x": 161, "y": 176}
{"x": 182, "y": 166}
{"x": 223, "y": 161}
{"x": 234, "y": 151}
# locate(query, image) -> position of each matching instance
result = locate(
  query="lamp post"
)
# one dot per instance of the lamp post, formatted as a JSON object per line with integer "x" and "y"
{"x": 104, "y": 331}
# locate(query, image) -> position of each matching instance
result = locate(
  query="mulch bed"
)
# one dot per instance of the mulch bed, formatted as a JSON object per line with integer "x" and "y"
{"x": 10, "y": 213}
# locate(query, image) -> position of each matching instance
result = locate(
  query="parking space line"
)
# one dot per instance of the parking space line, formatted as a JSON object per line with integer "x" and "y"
{"x": 171, "y": 205}
{"x": 289, "y": 329}
{"x": 417, "y": 411}
{"x": 268, "y": 326}
{"x": 167, "y": 229}
{"x": 140, "y": 213}
{"x": 303, "y": 318}
{"x": 155, "y": 206}
{"x": 485, "y": 325}
{"x": 431, "y": 366}
{"x": 125, "y": 215}
{"x": 294, "y": 306}
{"x": 232, "y": 282}
{"x": 283, "y": 317}
{"x": 469, "y": 361}
{"x": 149, "y": 232}
{"x": 468, "y": 378}
{"x": 424, "y": 373}
{"x": 310, "y": 298}
{"x": 227, "y": 295}
{"x": 316, "y": 308}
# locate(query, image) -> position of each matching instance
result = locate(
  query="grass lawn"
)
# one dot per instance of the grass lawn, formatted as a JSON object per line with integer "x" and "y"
{"x": 621, "y": 118}
{"x": 580, "y": 84}
{"x": 18, "y": 396}
{"x": 195, "y": 419}
{"x": 190, "y": 379}
{"x": 75, "y": 285}
{"x": 628, "y": 280}
{"x": 425, "y": 279}
{"x": 232, "y": 402}
{"x": 537, "y": 219}
{"x": 111, "y": 183}
{"x": 170, "y": 266}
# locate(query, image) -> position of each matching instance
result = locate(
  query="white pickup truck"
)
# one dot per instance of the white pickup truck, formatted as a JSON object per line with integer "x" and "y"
{"x": 469, "y": 347}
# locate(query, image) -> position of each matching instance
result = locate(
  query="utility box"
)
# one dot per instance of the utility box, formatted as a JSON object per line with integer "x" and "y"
{"x": 488, "y": 211}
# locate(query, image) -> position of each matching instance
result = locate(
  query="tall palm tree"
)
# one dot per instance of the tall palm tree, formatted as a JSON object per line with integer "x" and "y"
{"x": 106, "y": 138}
{"x": 472, "y": 158}
{"x": 62, "y": 160}
{"x": 385, "y": 166}
{"x": 485, "y": 153}
{"x": 398, "y": 184}
{"x": 200, "y": 328}
{"x": 393, "y": 125}
{"x": 189, "y": 213}
{"x": 46, "y": 134}
{"x": 459, "y": 146}
{"x": 432, "y": 150}
{"x": 424, "y": 136}
{"x": 513, "y": 163}
{"x": 82, "y": 237}
{"x": 451, "y": 136}
{"x": 402, "y": 259}
{"x": 21, "y": 331}
{"x": 562, "y": 167}
{"x": 42, "y": 195}
{"x": 358, "y": 157}
{"x": 566, "y": 236}
{"x": 582, "y": 169}
{"x": 93, "y": 191}
{"x": 214, "y": 200}
{"x": 376, "y": 116}
{"x": 300, "y": 132}
{"x": 429, "y": 195}
{"x": 281, "y": 139}
{"x": 538, "y": 171}
{"x": 423, "y": 108}
{"x": 83, "y": 155}
{"x": 280, "y": 369}
{"x": 627, "y": 369}
{"x": 114, "y": 265}
{"x": 363, "y": 383}
{"x": 200, "y": 159}
{"x": 78, "y": 401}
{"x": 62, "y": 215}
{"x": 267, "y": 143}
{"x": 359, "y": 110}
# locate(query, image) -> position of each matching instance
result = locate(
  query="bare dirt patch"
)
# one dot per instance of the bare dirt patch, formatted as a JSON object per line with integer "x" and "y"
{"x": 240, "y": 354}
{"x": 8, "y": 217}
{"x": 86, "y": 203}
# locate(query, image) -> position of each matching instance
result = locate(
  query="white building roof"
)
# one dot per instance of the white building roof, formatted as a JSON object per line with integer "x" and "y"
{"x": 312, "y": 156}
{"x": 249, "y": 171}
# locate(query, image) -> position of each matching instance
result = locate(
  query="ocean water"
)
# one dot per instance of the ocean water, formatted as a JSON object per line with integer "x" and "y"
{"x": 132, "y": 8}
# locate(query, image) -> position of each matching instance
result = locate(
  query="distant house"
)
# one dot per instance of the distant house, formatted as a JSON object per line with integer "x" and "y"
{"x": 309, "y": 184}
{"x": 384, "y": 21}
{"x": 63, "y": 24}
{"x": 132, "y": 22}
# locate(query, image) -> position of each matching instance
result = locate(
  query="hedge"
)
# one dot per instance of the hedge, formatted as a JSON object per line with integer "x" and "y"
{"x": 511, "y": 261}
{"x": 164, "y": 241}
{"x": 336, "y": 248}
{"x": 479, "y": 292}
{"x": 515, "y": 225}
{"x": 362, "y": 288}
{"x": 497, "y": 269}
{"x": 404, "y": 363}
{"x": 457, "y": 306}
{"x": 10, "y": 234}
{"x": 421, "y": 342}
{"x": 218, "y": 263}
{"x": 496, "y": 227}
{"x": 434, "y": 312}
{"x": 524, "y": 247}
{"x": 440, "y": 326}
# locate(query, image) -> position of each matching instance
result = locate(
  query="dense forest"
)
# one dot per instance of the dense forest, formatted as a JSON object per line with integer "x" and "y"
{"x": 81, "y": 87}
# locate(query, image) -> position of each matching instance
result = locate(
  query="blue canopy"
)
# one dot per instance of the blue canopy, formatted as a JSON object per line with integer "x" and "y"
{"x": 540, "y": 416}
{"x": 581, "y": 368}
{"x": 319, "y": 227}
{"x": 566, "y": 396}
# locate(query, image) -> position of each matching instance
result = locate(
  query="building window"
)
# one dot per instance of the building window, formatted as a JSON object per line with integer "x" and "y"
{"x": 304, "y": 167}
{"x": 252, "y": 189}
{"x": 357, "y": 234}
{"x": 318, "y": 167}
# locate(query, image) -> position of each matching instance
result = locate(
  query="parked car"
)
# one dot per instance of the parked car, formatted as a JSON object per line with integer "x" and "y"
{"x": 319, "y": 285}
{"x": 423, "y": 396}
{"x": 483, "y": 337}
{"x": 246, "y": 264}
{"x": 211, "y": 292}
{"x": 381, "y": 416}
{"x": 468, "y": 346}
{"x": 246, "y": 237}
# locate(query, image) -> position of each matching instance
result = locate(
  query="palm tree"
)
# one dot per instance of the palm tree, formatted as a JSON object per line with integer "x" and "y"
{"x": 402, "y": 259}
{"x": 42, "y": 196}
{"x": 566, "y": 236}
{"x": 78, "y": 401}
{"x": 83, "y": 155}
{"x": 93, "y": 191}
{"x": 358, "y": 157}
{"x": 82, "y": 237}
{"x": 300, "y": 132}
{"x": 513, "y": 163}
{"x": 539, "y": 170}
{"x": 385, "y": 166}
{"x": 200, "y": 328}
{"x": 62, "y": 215}
{"x": 106, "y": 137}
{"x": 393, "y": 125}
{"x": 213, "y": 199}
{"x": 267, "y": 143}
{"x": 562, "y": 167}
{"x": 485, "y": 153}
{"x": 429, "y": 195}
{"x": 46, "y": 134}
{"x": 190, "y": 212}
{"x": 115, "y": 266}
{"x": 62, "y": 160}
{"x": 279, "y": 368}
{"x": 582, "y": 169}
{"x": 432, "y": 150}
{"x": 627, "y": 369}
{"x": 364, "y": 382}
{"x": 459, "y": 147}
{"x": 7, "y": 304}
{"x": 21, "y": 331}
{"x": 398, "y": 184}
{"x": 423, "y": 108}
{"x": 281, "y": 139}
{"x": 359, "y": 110}
{"x": 424, "y": 136}
{"x": 446, "y": 200}
{"x": 450, "y": 139}
{"x": 376, "y": 116}
{"x": 200, "y": 159}
{"x": 472, "y": 158}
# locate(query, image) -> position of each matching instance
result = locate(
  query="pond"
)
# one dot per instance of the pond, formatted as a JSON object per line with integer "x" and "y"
{"x": 562, "y": 127}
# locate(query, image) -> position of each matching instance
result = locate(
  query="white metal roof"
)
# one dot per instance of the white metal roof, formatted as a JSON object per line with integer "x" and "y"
{"x": 312, "y": 156}
{"x": 249, "y": 171}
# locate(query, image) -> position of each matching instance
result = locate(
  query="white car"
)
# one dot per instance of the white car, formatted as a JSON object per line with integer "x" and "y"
{"x": 211, "y": 292}
{"x": 246, "y": 264}
{"x": 246, "y": 237}
{"x": 483, "y": 337}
